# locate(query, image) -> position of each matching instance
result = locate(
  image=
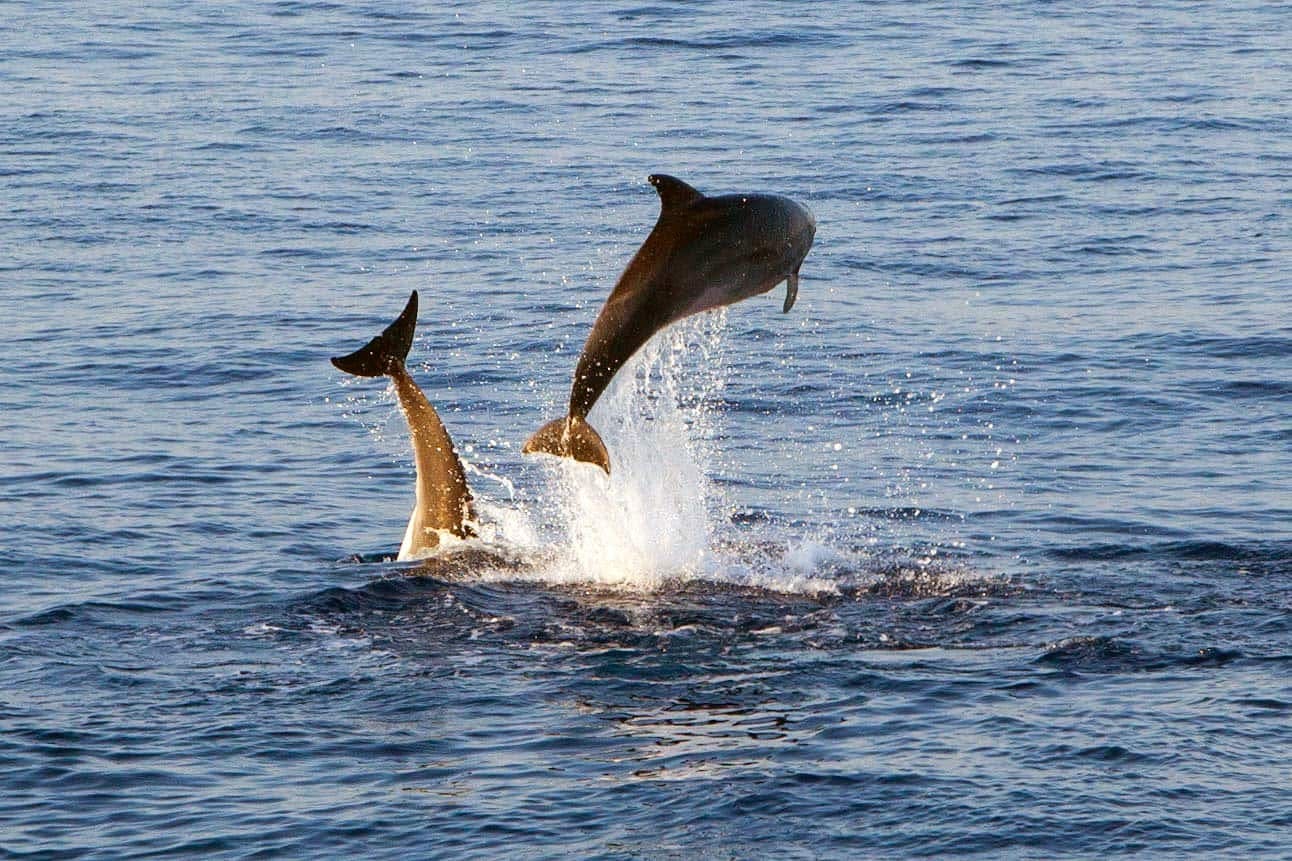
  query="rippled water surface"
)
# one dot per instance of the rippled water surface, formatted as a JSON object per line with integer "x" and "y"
{"x": 984, "y": 550}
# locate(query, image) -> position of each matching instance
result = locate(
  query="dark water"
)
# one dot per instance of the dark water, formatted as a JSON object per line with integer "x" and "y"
{"x": 985, "y": 550}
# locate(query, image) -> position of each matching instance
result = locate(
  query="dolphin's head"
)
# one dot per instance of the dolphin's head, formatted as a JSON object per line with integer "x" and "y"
{"x": 799, "y": 226}
{"x": 774, "y": 221}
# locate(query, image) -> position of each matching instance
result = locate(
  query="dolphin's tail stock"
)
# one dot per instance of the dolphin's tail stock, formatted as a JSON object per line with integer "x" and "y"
{"x": 570, "y": 436}
{"x": 375, "y": 358}
{"x": 444, "y": 502}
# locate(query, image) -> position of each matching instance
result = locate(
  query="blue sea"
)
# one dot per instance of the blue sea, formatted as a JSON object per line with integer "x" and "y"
{"x": 984, "y": 550}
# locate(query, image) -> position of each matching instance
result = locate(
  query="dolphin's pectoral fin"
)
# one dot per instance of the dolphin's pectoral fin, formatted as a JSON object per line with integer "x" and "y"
{"x": 791, "y": 292}
{"x": 571, "y": 437}
{"x": 673, "y": 193}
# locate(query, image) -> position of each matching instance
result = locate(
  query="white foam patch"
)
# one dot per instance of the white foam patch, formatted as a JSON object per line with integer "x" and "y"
{"x": 808, "y": 556}
{"x": 771, "y": 572}
{"x": 507, "y": 525}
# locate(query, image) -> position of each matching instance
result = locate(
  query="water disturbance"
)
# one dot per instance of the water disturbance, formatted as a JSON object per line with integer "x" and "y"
{"x": 982, "y": 550}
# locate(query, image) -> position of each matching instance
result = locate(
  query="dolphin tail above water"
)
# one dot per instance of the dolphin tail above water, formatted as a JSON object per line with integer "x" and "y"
{"x": 570, "y": 436}
{"x": 375, "y": 358}
{"x": 444, "y": 501}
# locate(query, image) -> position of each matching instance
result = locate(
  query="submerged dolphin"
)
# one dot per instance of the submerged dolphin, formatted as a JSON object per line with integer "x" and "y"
{"x": 443, "y": 499}
{"x": 705, "y": 252}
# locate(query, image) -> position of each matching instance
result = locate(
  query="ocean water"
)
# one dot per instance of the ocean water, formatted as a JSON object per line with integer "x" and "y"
{"x": 984, "y": 550}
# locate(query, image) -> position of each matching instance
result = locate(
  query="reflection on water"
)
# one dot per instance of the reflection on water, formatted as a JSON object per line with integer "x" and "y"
{"x": 687, "y": 737}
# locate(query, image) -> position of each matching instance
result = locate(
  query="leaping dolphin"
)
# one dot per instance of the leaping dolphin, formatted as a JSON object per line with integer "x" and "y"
{"x": 704, "y": 252}
{"x": 443, "y": 499}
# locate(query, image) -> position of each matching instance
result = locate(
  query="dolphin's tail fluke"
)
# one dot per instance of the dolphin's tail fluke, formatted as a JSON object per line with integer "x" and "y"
{"x": 375, "y": 358}
{"x": 572, "y": 437}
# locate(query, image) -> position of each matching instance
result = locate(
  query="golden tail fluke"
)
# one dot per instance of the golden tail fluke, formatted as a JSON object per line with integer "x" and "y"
{"x": 572, "y": 437}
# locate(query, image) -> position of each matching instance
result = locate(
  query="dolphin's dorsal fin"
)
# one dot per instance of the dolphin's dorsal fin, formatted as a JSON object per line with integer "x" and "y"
{"x": 673, "y": 193}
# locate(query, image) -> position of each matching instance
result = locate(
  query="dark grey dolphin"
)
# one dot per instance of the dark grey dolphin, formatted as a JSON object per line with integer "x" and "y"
{"x": 443, "y": 499}
{"x": 705, "y": 252}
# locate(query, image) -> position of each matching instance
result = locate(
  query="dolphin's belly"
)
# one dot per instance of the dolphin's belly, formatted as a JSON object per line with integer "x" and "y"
{"x": 735, "y": 284}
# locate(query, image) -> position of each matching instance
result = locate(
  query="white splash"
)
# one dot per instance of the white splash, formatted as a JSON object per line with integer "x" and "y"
{"x": 651, "y": 519}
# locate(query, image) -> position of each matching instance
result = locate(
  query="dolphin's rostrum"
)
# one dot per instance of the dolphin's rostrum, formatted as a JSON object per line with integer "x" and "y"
{"x": 443, "y": 500}
{"x": 704, "y": 252}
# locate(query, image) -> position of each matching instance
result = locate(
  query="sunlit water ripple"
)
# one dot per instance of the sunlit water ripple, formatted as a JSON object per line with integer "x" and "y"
{"x": 983, "y": 550}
